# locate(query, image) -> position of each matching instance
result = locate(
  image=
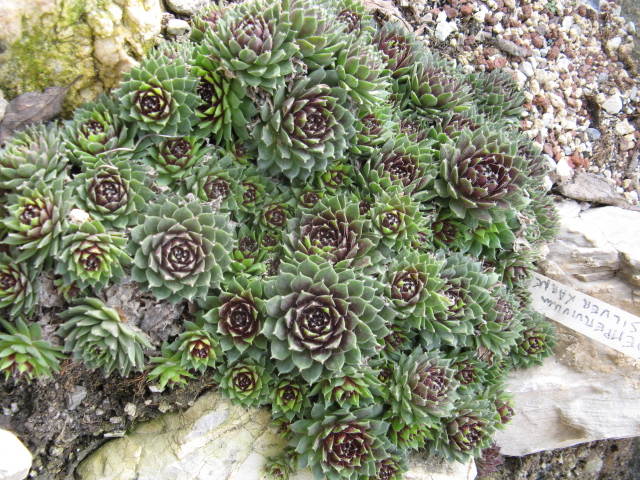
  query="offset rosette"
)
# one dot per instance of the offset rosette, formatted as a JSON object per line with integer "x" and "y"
{"x": 215, "y": 181}
{"x": 206, "y": 19}
{"x": 481, "y": 176}
{"x": 224, "y": 110}
{"x": 413, "y": 284}
{"x": 18, "y": 286}
{"x": 254, "y": 42}
{"x": 180, "y": 251}
{"x": 100, "y": 337}
{"x": 336, "y": 178}
{"x": 246, "y": 382}
{"x": 374, "y": 127}
{"x": 432, "y": 89}
{"x": 501, "y": 327}
{"x": 159, "y": 96}
{"x": 535, "y": 343}
{"x": 197, "y": 347}
{"x": 169, "y": 369}
{"x": 174, "y": 158}
{"x": 289, "y": 398}
{"x": 351, "y": 388}
{"x": 497, "y": 95}
{"x": 398, "y": 47}
{"x": 321, "y": 319}
{"x": 335, "y": 231}
{"x": 304, "y": 128}
{"x": 338, "y": 444}
{"x": 24, "y": 355}
{"x": 397, "y": 218}
{"x": 91, "y": 256}
{"x": 95, "y": 129}
{"x": 36, "y": 221}
{"x": 237, "y": 315}
{"x": 355, "y": 17}
{"x": 32, "y": 156}
{"x": 467, "y": 431}
{"x": 423, "y": 390}
{"x": 252, "y": 191}
{"x": 402, "y": 163}
{"x": 113, "y": 191}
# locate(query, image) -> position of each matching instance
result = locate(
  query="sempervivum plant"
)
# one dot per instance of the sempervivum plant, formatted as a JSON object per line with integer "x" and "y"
{"x": 23, "y": 355}
{"x": 31, "y": 156}
{"x": 321, "y": 319}
{"x": 100, "y": 337}
{"x": 497, "y": 95}
{"x": 113, "y": 191}
{"x": 215, "y": 181}
{"x": 352, "y": 388}
{"x": 180, "y": 251}
{"x": 289, "y": 397}
{"x": 304, "y": 128}
{"x": 338, "y": 444}
{"x": 18, "y": 286}
{"x": 36, "y": 222}
{"x": 397, "y": 218}
{"x": 159, "y": 96}
{"x": 174, "y": 158}
{"x": 197, "y": 347}
{"x": 91, "y": 256}
{"x": 246, "y": 382}
{"x": 535, "y": 343}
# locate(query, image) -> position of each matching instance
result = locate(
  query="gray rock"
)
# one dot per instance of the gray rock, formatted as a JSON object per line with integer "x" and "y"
{"x": 593, "y": 134}
{"x": 75, "y": 398}
{"x": 15, "y": 460}
{"x": 613, "y": 104}
{"x": 186, "y": 7}
{"x": 177, "y": 27}
{"x": 3, "y": 105}
{"x": 589, "y": 187}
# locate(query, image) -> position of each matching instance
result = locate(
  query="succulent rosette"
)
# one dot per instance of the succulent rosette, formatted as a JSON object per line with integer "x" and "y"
{"x": 18, "y": 286}
{"x": 303, "y": 129}
{"x": 336, "y": 178}
{"x": 23, "y": 355}
{"x": 544, "y": 220}
{"x": 224, "y": 110}
{"x": 248, "y": 256}
{"x": 276, "y": 212}
{"x": 413, "y": 286}
{"x": 197, "y": 346}
{"x": 321, "y": 319}
{"x": 251, "y": 193}
{"x": 335, "y": 230}
{"x": 174, "y": 158}
{"x": 403, "y": 163}
{"x": 254, "y": 42}
{"x": 338, "y": 444}
{"x": 448, "y": 126}
{"x": 401, "y": 338}
{"x": 501, "y": 326}
{"x": 535, "y": 343}
{"x": 169, "y": 370}
{"x": 481, "y": 176}
{"x": 489, "y": 460}
{"x": 100, "y": 337}
{"x": 397, "y": 218}
{"x": 91, "y": 256}
{"x": 487, "y": 239}
{"x": 206, "y": 19}
{"x": 351, "y": 388}
{"x": 470, "y": 371}
{"x": 95, "y": 129}
{"x": 306, "y": 196}
{"x": 497, "y": 95}
{"x": 398, "y": 47}
{"x": 159, "y": 95}
{"x": 32, "y": 156}
{"x": 514, "y": 268}
{"x": 391, "y": 467}
{"x": 374, "y": 127}
{"x": 246, "y": 382}
{"x": 237, "y": 316}
{"x": 432, "y": 88}
{"x": 216, "y": 181}
{"x": 36, "y": 222}
{"x": 467, "y": 431}
{"x": 422, "y": 390}
{"x": 113, "y": 191}
{"x": 289, "y": 397}
{"x": 447, "y": 231}
{"x": 356, "y": 18}
{"x": 280, "y": 467}
{"x": 180, "y": 251}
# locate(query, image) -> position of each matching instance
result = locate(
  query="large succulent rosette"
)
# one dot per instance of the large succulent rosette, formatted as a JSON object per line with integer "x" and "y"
{"x": 180, "y": 251}
{"x": 91, "y": 256}
{"x": 18, "y": 286}
{"x": 36, "y": 222}
{"x": 321, "y": 319}
{"x": 159, "y": 96}
{"x": 254, "y": 42}
{"x": 338, "y": 444}
{"x": 31, "y": 156}
{"x": 113, "y": 191}
{"x": 335, "y": 230}
{"x": 303, "y": 129}
{"x": 95, "y": 129}
{"x": 101, "y": 338}
{"x": 481, "y": 176}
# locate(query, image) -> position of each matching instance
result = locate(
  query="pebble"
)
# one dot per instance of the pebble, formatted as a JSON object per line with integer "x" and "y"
{"x": 130, "y": 409}
{"x": 3, "y": 105}
{"x": 177, "y": 27}
{"x": 624, "y": 128}
{"x": 75, "y": 398}
{"x": 613, "y": 44}
{"x": 115, "y": 420}
{"x": 563, "y": 169}
{"x": 527, "y": 69}
{"x": 186, "y": 7}
{"x": 444, "y": 29}
{"x": 613, "y": 104}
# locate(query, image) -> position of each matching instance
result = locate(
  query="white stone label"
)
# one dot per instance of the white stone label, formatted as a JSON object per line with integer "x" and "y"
{"x": 591, "y": 317}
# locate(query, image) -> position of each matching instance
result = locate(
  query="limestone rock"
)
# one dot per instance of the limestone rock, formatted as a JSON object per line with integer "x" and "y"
{"x": 587, "y": 391}
{"x": 214, "y": 440}
{"x": 186, "y": 7}
{"x": 15, "y": 460}
{"x": 50, "y": 43}
{"x": 3, "y": 105}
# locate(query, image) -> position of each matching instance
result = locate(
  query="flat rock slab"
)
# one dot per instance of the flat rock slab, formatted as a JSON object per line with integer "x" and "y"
{"x": 15, "y": 459}
{"x": 216, "y": 440}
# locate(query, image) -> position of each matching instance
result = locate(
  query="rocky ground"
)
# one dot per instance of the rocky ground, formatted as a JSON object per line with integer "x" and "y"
{"x": 575, "y": 61}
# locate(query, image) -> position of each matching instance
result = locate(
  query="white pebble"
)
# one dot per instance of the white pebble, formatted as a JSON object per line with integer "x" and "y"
{"x": 613, "y": 104}
{"x": 624, "y": 128}
{"x": 563, "y": 169}
{"x": 527, "y": 69}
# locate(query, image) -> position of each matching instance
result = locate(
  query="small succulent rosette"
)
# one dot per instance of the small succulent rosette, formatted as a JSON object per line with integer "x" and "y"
{"x": 180, "y": 251}
{"x": 246, "y": 382}
{"x": 18, "y": 286}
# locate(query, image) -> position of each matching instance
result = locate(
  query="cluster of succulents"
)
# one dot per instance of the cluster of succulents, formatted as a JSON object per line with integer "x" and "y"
{"x": 350, "y": 218}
